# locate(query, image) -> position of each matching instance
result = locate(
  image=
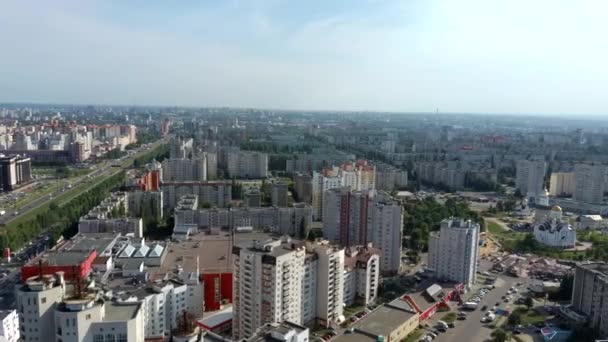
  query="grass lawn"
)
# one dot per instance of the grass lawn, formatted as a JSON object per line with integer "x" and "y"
{"x": 531, "y": 317}
{"x": 351, "y": 310}
{"x": 413, "y": 336}
{"x": 449, "y": 317}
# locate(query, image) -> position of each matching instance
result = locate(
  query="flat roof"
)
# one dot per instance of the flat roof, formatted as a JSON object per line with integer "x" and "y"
{"x": 121, "y": 311}
{"x": 214, "y": 252}
{"x": 217, "y": 318}
{"x": 383, "y": 321}
{"x": 61, "y": 258}
{"x": 354, "y": 337}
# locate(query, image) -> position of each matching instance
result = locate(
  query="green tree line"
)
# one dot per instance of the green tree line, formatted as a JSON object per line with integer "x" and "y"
{"x": 59, "y": 220}
{"x": 421, "y": 217}
{"x": 159, "y": 153}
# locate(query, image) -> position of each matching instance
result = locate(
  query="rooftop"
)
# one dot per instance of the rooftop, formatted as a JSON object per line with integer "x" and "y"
{"x": 121, "y": 311}
{"x": 214, "y": 253}
{"x": 354, "y": 337}
{"x": 384, "y": 320}
{"x": 270, "y": 332}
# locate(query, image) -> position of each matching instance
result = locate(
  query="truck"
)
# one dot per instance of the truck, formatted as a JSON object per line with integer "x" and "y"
{"x": 470, "y": 305}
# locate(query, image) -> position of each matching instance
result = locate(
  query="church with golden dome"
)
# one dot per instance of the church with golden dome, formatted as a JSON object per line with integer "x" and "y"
{"x": 553, "y": 231}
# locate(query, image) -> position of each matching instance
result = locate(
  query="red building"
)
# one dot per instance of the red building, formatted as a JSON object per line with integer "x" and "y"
{"x": 70, "y": 262}
{"x": 217, "y": 288}
{"x": 432, "y": 299}
{"x": 150, "y": 181}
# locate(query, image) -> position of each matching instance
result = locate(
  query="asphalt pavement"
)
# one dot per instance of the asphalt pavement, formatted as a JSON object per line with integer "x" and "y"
{"x": 472, "y": 329}
{"x": 99, "y": 170}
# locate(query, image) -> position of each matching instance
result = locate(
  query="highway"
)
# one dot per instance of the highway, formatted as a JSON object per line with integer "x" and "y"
{"x": 100, "y": 172}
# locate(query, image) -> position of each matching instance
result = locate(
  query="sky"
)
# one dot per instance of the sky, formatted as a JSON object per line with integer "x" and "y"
{"x": 477, "y": 56}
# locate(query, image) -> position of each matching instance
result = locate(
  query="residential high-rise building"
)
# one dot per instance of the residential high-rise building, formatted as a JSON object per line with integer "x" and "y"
{"x": 14, "y": 172}
{"x": 286, "y": 280}
{"x": 246, "y": 164}
{"x": 36, "y": 301}
{"x": 590, "y": 294}
{"x": 279, "y": 194}
{"x": 184, "y": 170}
{"x": 354, "y": 218}
{"x": 303, "y": 187}
{"x": 92, "y": 319}
{"x": 253, "y": 198}
{"x": 561, "y": 184}
{"x": 361, "y": 275}
{"x": 322, "y": 182}
{"x": 211, "y": 159}
{"x": 453, "y": 251}
{"x": 330, "y": 282}
{"x": 9, "y": 326}
{"x": 267, "y": 281}
{"x": 589, "y": 180}
{"x": 530, "y": 177}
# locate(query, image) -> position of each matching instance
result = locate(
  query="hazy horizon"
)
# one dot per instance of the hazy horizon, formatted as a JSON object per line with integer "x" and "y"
{"x": 543, "y": 58}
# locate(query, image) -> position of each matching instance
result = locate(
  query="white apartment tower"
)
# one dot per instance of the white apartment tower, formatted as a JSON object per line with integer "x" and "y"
{"x": 589, "y": 182}
{"x": 9, "y": 326}
{"x": 354, "y": 218}
{"x": 330, "y": 278}
{"x": 36, "y": 302}
{"x": 286, "y": 280}
{"x": 267, "y": 279}
{"x": 453, "y": 251}
{"x": 530, "y": 176}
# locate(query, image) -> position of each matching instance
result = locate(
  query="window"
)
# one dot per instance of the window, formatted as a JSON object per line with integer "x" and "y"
{"x": 43, "y": 300}
{"x": 110, "y": 338}
{"x": 122, "y": 338}
{"x": 98, "y": 338}
{"x": 88, "y": 316}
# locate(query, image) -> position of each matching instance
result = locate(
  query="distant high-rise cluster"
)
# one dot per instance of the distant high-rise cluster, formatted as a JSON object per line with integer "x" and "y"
{"x": 358, "y": 176}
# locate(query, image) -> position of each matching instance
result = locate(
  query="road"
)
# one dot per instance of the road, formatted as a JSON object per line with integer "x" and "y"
{"x": 472, "y": 329}
{"x": 104, "y": 169}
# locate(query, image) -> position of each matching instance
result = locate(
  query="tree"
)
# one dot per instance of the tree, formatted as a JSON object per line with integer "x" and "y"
{"x": 499, "y": 335}
{"x": 515, "y": 318}
{"x": 302, "y": 232}
{"x": 565, "y": 288}
{"x": 529, "y": 302}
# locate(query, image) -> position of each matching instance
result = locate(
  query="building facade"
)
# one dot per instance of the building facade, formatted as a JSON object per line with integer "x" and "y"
{"x": 590, "y": 294}
{"x": 9, "y": 326}
{"x": 14, "y": 172}
{"x": 453, "y": 251}
{"x": 530, "y": 176}
{"x": 246, "y": 164}
{"x": 286, "y": 280}
{"x": 561, "y": 184}
{"x": 589, "y": 183}
{"x": 354, "y": 218}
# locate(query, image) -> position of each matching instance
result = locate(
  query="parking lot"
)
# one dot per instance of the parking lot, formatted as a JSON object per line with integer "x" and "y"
{"x": 471, "y": 327}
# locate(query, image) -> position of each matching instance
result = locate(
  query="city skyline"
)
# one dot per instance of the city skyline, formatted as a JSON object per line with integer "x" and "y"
{"x": 453, "y": 57}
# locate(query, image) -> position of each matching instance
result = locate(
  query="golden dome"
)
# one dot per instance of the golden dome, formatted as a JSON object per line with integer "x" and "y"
{"x": 556, "y": 208}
